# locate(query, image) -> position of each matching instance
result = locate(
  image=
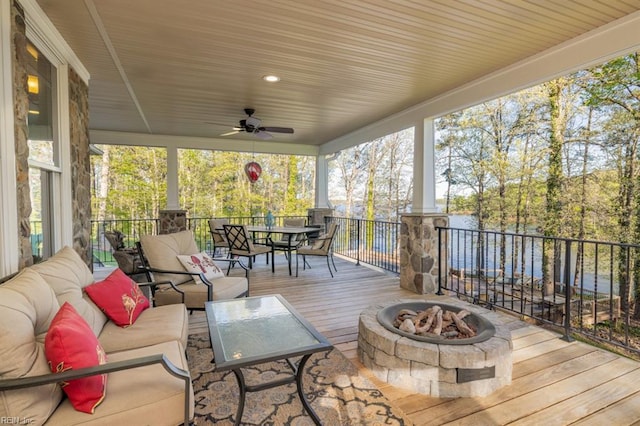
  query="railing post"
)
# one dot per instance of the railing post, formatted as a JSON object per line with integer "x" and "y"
{"x": 358, "y": 222}
{"x": 567, "y": 291}
{"x": 439, "y": 292}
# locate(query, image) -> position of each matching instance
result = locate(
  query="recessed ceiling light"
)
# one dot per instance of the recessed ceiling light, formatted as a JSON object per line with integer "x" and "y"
{"x": 271, "y": 78}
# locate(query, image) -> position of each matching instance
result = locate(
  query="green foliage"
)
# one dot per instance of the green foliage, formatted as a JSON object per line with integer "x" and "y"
{"x": 211, "y": 183}
{"x": 571, "y": 163}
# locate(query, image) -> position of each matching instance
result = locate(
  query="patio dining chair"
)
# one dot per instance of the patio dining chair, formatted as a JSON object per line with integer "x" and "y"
{"x": 289, "y": 243}
{"x": 241, "y": 244}
{"x": 185, "y": 275}
{"x": 323, "y": 246}
{"x": 217, "y": 234}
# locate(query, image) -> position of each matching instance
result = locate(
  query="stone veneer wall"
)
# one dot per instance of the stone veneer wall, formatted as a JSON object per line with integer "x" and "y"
{"x": 80, "y": 165}
{"x": 172, "y": 221}
{"x": 21, "y": 111}
{"x": 419, "y": 251}
{"x": 316, "y": 215}
{"x": 79, "y": 140}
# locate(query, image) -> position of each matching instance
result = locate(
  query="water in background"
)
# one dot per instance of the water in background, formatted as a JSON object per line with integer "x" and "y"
{"x": 463, "y": 255}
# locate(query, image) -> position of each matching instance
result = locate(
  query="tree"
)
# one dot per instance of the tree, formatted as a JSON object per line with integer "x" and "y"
{"x": 614, "y": 87}
{"x": 552, "y": 226}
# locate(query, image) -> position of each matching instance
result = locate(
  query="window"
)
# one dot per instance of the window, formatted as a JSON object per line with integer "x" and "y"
{"x": 44, "y": 170}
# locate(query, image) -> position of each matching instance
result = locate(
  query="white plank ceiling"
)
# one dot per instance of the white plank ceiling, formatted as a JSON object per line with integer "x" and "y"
{"x": 168, "y": 67}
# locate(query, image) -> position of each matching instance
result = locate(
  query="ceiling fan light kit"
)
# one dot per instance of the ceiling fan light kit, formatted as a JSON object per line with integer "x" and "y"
{"x": 252, "y": 125}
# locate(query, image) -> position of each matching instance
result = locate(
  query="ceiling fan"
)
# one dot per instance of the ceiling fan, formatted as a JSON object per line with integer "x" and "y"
{"x": 252, "y": 125}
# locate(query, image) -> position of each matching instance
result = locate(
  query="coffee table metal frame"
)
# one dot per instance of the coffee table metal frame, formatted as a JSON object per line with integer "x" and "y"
{"x": 247, "y": 331}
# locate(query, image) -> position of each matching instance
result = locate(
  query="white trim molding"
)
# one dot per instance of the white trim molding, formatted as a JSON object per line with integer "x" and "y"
{"x": 9, "y": 260}
{"x": 100, "y": 137}
{"x": 39, "y": 23}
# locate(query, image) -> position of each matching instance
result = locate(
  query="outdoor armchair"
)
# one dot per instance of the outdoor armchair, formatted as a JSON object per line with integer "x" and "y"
{"x": 128, "y": 258}
{"x": 321, "y": 247}
{"x": 159, "y": 255}
{"x": 217, "y": 234}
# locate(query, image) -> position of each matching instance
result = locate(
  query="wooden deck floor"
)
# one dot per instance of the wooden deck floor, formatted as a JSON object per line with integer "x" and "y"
{"x": 554, "y": 382}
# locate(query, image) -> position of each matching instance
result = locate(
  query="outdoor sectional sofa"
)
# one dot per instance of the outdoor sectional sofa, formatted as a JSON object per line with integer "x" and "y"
{"x": 147, "y": 382}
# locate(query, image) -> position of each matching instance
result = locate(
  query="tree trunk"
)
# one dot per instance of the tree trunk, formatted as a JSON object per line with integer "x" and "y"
{"x": 551, "y": 254}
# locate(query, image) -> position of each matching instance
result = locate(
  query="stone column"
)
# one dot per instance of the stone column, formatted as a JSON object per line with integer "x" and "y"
{"x": 317, "y": 215}
{"x": 419, "y": 251}
{"x": 80, "y": 165}
{"x": 20, "y": 60}
{"x": 172, "y": 221}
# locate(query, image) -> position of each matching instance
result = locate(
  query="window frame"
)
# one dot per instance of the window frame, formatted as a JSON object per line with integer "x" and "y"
{"x": 59, "y": 200}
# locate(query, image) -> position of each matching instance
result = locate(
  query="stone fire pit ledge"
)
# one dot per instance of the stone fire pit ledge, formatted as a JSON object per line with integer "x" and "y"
{"x": 433, "y": 369}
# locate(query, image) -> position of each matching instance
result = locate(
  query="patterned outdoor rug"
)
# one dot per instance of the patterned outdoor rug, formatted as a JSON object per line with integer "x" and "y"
{"x": 337, "y": 393}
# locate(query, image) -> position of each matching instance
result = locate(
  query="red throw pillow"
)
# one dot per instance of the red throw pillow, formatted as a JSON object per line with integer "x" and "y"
{"x": 70, "y": 345}
{"x": 119, "y": 297}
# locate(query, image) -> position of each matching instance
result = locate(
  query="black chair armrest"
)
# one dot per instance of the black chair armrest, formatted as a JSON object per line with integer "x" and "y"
{"x": 153, "y": 284}
{"x": 321, "y": 239}
{"x": 168, "y": 271}
{"x": 109, "y": 367}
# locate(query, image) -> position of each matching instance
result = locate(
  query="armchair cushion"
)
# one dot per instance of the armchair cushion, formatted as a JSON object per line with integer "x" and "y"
{"x": 119, "y": 297}
{"x": 195, "y": 295}
{"x": 201, "y": 263}
{"x": 161, "y": 252}
{"x": 27, "y": 307}
{"x": 70, "y": 344}
{"x": 321, "y": 241}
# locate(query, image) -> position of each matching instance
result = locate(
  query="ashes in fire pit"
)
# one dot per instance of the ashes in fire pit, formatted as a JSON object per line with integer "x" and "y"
{"x": 436, "y": 323}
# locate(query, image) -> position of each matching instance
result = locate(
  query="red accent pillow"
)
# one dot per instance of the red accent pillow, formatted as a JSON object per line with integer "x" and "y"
{"x": 70, "y": 345}
{"x": 119, "y": 297}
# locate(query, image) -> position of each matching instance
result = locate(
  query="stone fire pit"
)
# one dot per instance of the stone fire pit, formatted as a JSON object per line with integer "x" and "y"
{"x": 436, "y": 366}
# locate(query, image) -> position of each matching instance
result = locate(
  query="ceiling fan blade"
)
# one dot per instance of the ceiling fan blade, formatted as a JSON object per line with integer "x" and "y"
{"x": 262, "y": 135}
{"x": 233, "y": 132}
{"x": 277, "y": 129}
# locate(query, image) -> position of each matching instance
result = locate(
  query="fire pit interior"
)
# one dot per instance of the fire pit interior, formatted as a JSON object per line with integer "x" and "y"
{"x": 434, "y": 364}
{"x": 436, "y": 317}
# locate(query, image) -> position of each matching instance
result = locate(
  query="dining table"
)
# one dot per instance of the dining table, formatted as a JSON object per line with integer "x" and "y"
{"x": 290, "y": 232}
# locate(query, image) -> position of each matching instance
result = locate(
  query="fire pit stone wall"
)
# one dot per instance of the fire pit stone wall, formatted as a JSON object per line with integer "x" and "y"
{"x": 439, "y": 370}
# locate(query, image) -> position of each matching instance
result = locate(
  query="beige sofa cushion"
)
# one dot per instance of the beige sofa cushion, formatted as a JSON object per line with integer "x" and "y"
{"x": 67, "y": 274}
{"x": 159, "y": 397}
{"x": 27, "y": 306}
{"x": 161, "y": 252}
{"x": 154, "y": 325}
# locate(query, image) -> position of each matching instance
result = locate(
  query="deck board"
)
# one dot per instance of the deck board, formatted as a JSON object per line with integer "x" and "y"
{"x": 554, "y": 381}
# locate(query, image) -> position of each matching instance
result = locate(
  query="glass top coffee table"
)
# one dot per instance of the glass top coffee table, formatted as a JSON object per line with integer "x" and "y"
{"x": 259, "y": 329}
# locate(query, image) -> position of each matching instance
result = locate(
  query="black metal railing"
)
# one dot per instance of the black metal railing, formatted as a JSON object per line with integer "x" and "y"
{"x": 372, "y": 242}
{"x": 582, "y": 286}
{"x": 367, "y": 241}
{"x": 132, "y": 229}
